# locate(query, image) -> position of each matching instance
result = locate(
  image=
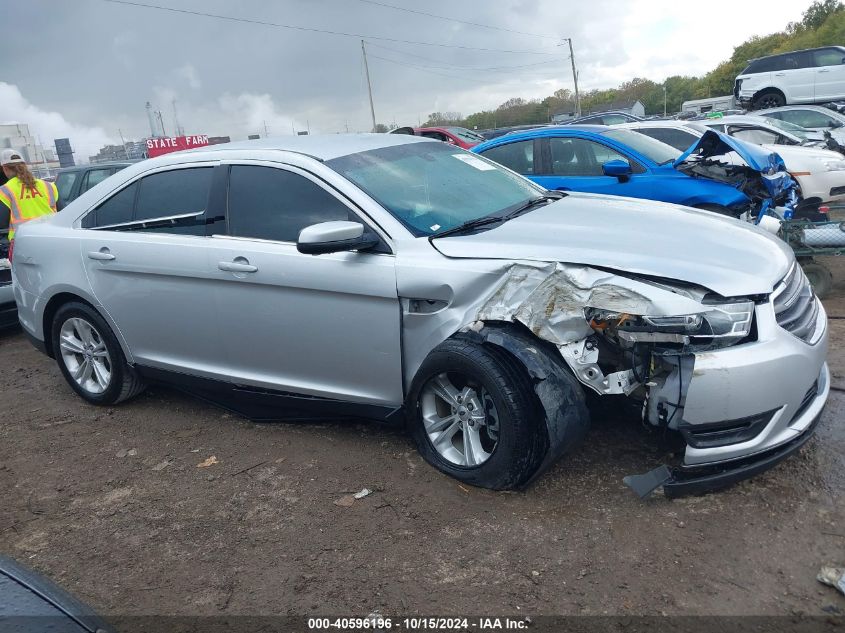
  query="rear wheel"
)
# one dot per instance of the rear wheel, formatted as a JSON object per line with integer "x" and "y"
{"x": 474, "y": 416}
{"x": 768, "y": 99}
{"x": 90, "y": 357}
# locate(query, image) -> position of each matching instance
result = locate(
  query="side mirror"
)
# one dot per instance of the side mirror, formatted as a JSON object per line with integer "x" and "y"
{"x": 619, "y": 168}
{"x": 333, "y": 237}
{"x": 834, "y": 124}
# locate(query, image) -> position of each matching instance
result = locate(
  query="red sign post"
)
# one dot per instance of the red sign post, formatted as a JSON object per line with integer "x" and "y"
{"x": 166, "y": 144}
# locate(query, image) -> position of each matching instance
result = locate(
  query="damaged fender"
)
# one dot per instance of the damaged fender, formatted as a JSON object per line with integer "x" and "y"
{"x": 564, "y": 405}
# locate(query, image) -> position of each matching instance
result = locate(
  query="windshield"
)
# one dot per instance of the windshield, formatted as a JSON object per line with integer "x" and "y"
{"x": 795, "y": 130}
{"x": 64, "y": 183}
{"x": 654, "y": 150}
{"x": 433, "y": 187}
{"x": 467, "y": 135}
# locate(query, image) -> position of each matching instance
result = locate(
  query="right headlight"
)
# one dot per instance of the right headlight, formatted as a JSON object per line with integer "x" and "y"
{"x": 719, "y": 325}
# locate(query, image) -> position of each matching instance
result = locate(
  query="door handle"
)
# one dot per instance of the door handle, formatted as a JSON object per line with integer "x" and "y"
{"x": 237, "y": 267}
{"x": 102, "y": 255}
{"x": 780, "y": 74}
{"x": 824, "y": 70}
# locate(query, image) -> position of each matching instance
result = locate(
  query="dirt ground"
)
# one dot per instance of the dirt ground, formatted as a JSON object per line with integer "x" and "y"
{"x": 111, "y": 504}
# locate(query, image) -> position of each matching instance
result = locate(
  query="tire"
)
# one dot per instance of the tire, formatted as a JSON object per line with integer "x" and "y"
{"x": 820, "y": 277}
{"x": 768, "y": 99}
{"x": 79, "y": 336}
{"x": 498, "y": 399}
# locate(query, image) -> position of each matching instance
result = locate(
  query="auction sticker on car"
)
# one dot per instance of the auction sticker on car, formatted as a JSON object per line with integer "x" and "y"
{"x": 475, "y": 161}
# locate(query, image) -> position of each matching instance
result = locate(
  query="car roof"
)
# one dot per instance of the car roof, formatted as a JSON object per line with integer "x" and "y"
{"x": 320, "y": 146}
{"x": 95, "y": 166}
{"x": 799, "y": 106}
{"x": 802, "y": 50}
{"x": 750, "y": 119}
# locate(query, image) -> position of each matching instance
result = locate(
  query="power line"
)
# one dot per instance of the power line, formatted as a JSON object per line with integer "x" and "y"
{"x": 456, "y": 67}
{"x": 443, "y": 17}
{"x": 325, "y": 31}
{"x": 426, "y": 69}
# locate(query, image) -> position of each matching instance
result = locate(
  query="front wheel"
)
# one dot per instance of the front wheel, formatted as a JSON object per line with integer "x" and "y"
{"x": 768, "y": 99}
{"x": 90, "y": 357}
{"x": 474, "y": 416}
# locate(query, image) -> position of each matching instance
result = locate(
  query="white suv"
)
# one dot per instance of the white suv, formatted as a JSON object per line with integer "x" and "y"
{"x": 810, "y": 76}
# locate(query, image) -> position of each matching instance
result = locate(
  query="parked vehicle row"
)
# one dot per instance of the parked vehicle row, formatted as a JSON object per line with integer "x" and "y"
{"x": 623, "y": 162}
{"x": 394, "y": 277}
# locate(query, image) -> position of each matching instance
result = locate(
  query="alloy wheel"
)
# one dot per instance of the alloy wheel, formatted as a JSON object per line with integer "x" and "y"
{"x": 85, "y": 355}
{"x": 460, "y": 419}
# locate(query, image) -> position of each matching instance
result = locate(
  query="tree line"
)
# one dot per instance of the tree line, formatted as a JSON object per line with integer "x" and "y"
{"x": 822, "y": 24}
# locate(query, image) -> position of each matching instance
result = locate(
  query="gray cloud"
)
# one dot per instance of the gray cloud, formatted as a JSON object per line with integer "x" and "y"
{"x": 97, "y": 63}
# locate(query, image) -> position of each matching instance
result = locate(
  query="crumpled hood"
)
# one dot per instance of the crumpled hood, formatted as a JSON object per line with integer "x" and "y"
{"x": 724, "y": 255}
{"x": 773, "y": 172}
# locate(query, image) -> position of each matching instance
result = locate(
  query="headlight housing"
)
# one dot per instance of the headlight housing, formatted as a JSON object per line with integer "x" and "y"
{"x": 715, "y": 326}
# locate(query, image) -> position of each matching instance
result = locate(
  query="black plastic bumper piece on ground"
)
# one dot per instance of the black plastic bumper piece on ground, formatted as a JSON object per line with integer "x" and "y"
{"x": 698, "y": 480}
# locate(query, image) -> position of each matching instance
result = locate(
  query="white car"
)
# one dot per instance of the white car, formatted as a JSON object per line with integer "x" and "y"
{"x": 809, "y": 76}
{"x": 817, "y": 119}
{"x": 820, "y": 173}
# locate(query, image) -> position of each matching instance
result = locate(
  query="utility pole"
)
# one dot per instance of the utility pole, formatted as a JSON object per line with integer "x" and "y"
{"x": 180, "y": 131}
{"x": 266, "y": 133}
{"x": 122, "y": 140}
{"x": 664, "y": 99}
{"x": 369, "y": 86}
{"x": 574, "y": 78}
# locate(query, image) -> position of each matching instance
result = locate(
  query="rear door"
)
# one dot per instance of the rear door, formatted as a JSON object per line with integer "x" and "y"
{"x": 325, "y": 325}
{"x": 148, "y": 260}
{"x": 829, "y": 73}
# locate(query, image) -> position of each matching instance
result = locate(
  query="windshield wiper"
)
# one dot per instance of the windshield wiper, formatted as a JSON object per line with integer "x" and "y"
{"x": 469, "y": 225}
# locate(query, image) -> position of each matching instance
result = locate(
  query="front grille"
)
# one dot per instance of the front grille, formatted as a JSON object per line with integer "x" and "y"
{"x": 796, "y": 307}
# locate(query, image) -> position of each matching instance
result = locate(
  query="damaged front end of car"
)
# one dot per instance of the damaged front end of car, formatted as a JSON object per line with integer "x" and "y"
{"x": 634, "y": 336}
{"x": 763, "y": 178}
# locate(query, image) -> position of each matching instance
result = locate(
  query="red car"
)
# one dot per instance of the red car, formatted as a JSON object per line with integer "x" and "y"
{"x": 459, "y": 136}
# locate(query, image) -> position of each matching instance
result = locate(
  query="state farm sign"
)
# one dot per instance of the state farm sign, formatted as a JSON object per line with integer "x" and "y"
{"x": 167, "y": 144}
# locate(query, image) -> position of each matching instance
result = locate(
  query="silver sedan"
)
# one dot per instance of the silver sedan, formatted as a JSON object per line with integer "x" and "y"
{"x": 397, "y": 278}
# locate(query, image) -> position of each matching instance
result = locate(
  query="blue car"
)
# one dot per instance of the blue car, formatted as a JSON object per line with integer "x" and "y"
{"x": 718, "y": 173}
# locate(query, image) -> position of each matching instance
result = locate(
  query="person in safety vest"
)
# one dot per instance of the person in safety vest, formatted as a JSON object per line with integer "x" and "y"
{"x": 24, "y": 196}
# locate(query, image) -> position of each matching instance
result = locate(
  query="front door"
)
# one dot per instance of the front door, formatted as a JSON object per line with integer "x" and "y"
{"x": 575, "y": 164}
{"x": 325, "y": 325}
{"x": 829, "y": 73}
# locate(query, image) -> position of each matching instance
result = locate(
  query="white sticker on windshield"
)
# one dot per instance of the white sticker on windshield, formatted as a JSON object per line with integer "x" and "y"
{"x": 434, "y": 227}
{"x": 475, "y": 161}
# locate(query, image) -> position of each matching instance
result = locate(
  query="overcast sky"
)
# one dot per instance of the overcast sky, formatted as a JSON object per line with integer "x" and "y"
{"x": 85, "y": 68}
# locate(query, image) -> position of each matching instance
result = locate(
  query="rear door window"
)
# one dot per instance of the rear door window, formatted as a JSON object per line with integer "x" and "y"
{"x": 518, "y": 156}
{"x": 150, "y": 204}
{"x": 275, "y": 204}
{"x": 678, "y": 139}
{"x": 176, "y": 192}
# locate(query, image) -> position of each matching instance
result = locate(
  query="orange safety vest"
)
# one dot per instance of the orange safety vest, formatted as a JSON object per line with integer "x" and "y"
{"x": 26, "y": 204}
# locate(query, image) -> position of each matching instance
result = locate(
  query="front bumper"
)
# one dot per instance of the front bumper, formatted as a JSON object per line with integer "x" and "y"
{"x": 779, "y": 377}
